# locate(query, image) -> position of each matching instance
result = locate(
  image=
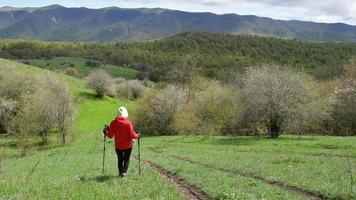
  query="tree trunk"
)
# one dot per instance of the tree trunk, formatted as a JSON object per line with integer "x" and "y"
{"x": 63, "y": 136}
{"x": 274, "y": 128}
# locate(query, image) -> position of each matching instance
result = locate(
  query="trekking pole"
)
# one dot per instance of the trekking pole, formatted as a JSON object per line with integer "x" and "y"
{"x": 106, "y": 127}
{"x": 139, "y": 158}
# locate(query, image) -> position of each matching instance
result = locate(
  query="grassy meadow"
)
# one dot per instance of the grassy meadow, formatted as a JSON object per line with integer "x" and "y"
{"x": 81, "y": 65}
{"x": 291, "y": 167}
{"x": 74, "y": 171}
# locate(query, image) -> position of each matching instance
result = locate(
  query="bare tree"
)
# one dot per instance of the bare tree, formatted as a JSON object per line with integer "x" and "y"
{"x": 273, "y": 96}
{"x": 183, "y": 71}
{"x": 101, "y": 82}
{"x": 63, "y": 109}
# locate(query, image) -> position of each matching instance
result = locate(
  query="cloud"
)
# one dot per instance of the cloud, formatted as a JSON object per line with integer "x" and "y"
{"x": 318, "y": 10}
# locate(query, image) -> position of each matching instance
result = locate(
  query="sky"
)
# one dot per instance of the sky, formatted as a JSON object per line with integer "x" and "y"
{"x": 329, "y": 11}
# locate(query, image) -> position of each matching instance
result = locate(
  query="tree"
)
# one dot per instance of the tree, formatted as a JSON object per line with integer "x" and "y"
{"x": 101, "y": 82}
{"x": 273, "y": 96}
{"x": 344, "y": 113}
{"x": 183, "y": 71}
{"x": 63, "y": 109}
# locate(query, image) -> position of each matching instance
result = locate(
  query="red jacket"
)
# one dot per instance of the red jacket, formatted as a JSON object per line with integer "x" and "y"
{"x": 123, "y": 131}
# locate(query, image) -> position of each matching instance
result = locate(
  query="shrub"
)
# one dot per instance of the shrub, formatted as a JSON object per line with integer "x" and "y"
{"x": 156, "y": 110}
{"x": 131, "y": 89}
{"x": 92, "y": 63}
{"x": 50, "y": 106}
{"x": 71, "y": 71}
{"x": 101, "y": 82}
{"x": 36, "y": 113}
{"x": 344, "y": 110}
{"x": 146, "y": 82}
{"x": 33, "y": 105}
{"x": 7, "y": 111}
{"x": 14, "y": 85}
{"x": 26, "y": 62}
{"x": 209, "y": 110}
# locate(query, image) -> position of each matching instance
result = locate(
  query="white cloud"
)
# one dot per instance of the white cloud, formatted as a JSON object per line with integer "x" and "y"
{"x": 330, "y": 11}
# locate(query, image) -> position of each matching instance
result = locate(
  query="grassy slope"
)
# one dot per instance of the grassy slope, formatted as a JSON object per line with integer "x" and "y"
{"x": 317, "y": 164}
{"x": 311, "y": 163}
{"x": 61, "y": 63}
{"x": 74, "y": 171}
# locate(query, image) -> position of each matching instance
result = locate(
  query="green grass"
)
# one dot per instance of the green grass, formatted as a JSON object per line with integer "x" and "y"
{"x": 73, "y": 171}
{"x": 61, "y": 63}
{"x": 316, "y": 164}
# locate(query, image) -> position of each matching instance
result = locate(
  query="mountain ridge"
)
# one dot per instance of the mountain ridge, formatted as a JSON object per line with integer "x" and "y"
{"x": 56, "y": 22}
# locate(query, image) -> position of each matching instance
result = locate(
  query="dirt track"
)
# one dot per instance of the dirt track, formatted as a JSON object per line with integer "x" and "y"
{"x": 303, "y": 192}
{"x": 191, "y": 192}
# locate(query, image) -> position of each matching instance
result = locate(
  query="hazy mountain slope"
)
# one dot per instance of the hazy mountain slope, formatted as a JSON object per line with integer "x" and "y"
{"x": 59, "y": 23}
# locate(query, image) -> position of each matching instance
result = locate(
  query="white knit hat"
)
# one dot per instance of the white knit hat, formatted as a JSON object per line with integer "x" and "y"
{"x": 123, "y": 112}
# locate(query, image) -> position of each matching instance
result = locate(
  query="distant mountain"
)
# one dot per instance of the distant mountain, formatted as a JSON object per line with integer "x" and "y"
{"x": 56, "y": 22}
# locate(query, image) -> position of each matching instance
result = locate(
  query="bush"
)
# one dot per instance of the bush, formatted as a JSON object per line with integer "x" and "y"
{"x": 131, "y": 89}
{"x": 26, "y": 62}
{"x": 14, "y": 85}
{"x": 157, "y": 109}
{"x": 92, "y": 63}
{"x": 33, "y": 105}
{"x": 101, "y": 82}
{"x": 49, "y": 107}
{"x": 7, "y": 111}
{"x": 146, "y": 82}
{"x": 71, "y": 71}
{"x": 209, "y": 111}
{"x": 37, "y": 114}
{"x": 344, "y": 110}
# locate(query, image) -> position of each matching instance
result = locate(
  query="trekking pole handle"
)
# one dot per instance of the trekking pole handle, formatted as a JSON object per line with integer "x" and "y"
{"x": 105, "y": 129}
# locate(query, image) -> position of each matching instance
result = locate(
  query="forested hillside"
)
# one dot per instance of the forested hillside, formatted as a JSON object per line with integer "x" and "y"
{"x": 211, "y": 54}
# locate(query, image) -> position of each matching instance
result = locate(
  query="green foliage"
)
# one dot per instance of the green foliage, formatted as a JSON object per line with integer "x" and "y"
{"x": 219, "y": 55}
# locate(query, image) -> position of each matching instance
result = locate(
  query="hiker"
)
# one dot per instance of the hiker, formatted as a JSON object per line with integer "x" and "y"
{"x": 125, "y": 135}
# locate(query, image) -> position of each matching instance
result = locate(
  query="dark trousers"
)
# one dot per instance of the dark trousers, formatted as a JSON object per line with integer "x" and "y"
{"x": 123, "y": 159}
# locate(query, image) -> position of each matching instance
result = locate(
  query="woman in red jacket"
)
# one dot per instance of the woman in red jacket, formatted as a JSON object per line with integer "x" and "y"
{"x": 122, "y": 129}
